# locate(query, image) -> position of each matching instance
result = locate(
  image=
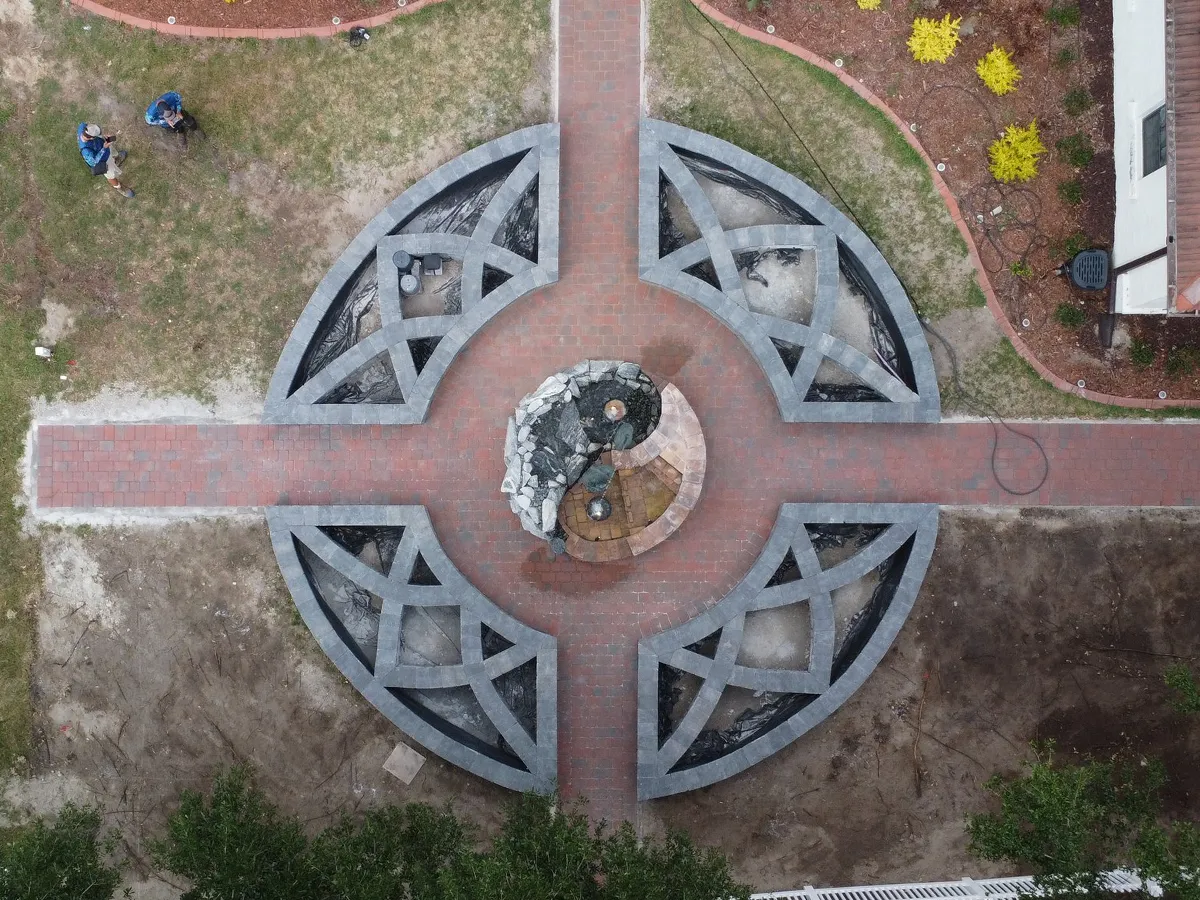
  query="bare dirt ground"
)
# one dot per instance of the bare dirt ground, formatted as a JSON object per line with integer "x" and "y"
{"x": 1035, "y": 625}
{"x": 167, "y": 653}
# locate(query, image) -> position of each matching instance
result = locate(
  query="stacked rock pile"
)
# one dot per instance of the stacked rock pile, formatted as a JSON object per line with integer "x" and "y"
{"x": 560, "y": 430}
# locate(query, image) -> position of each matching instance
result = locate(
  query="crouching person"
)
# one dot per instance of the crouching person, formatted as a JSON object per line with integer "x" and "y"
{"x": 96, "y": 148}
{"x": 167, "y": 112}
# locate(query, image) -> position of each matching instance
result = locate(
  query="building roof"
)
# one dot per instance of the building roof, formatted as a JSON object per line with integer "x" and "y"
{"x": 1183, "y": 30}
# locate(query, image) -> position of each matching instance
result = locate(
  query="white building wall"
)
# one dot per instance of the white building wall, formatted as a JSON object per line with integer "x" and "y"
{"x": 1139, "y": 88}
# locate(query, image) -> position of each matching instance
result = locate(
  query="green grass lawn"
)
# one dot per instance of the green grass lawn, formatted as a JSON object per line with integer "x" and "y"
{"x": 1002, "y": 383}
{"x": 204, "y": 272}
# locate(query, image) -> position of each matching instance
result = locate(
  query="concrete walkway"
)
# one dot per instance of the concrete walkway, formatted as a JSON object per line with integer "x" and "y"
{"x": 453, "y": 464}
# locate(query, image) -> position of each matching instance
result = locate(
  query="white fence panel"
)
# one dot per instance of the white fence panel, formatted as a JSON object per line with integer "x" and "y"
{"x": 1118, "y": 881}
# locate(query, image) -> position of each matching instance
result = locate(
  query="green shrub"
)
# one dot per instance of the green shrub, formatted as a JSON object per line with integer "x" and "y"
{"x": 1070, "y": 824}
{"x": 1077, "y": 101}
{"x": 235, "y": 845}
{"x": 1071, "y": 192}
{"x": 1185, "y": 694}
{"x": 1069, "y": 315}
{"x": 1076, "y": 150}
{"x": 1014, "y": 157}
{"x": 1065, "y": 58}
{"x": 1141, "y": 354}
{"x": 64, "y": 860}
{"x": 1021, "y": 268}
{"x": 1182, "y": 361}
{"x": 1065, "y": 15}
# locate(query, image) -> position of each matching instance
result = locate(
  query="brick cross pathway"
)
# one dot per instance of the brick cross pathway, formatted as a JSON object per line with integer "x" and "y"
{"x": 453, "y": 464}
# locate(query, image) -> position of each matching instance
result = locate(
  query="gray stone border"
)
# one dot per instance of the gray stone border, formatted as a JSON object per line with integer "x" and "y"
{"x": 539, "y": 148}
{"x": 658, "y": 143}
{"x": 906, "y": 521}
{"x": 539, "y": 755}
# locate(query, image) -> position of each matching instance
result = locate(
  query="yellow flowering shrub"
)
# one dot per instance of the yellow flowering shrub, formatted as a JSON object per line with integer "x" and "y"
{"x": 933, "y": 40}
{"x": 869, "y": 4}
{"x": 1014, "y": 157}
{"x": 998, "y": 71}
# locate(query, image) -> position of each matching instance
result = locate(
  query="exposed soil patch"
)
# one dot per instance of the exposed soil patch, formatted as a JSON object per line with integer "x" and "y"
{"x": 1028, "y": 626}
{"x": 166, "y": 653}
{"x": 957, "y": 117}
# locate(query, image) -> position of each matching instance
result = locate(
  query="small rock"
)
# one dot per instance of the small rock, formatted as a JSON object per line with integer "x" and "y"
{"x": 523, "y": 433}
{"x": 549, "y": 513}
{"x": 510, "y": 438}
{"x": 508, "y": 485}
{"x": 523, "y": 501}
{"x": 629, "y": 370}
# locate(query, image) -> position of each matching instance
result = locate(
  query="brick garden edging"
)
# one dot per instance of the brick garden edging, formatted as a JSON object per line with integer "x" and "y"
{"x": 955, "y": 214}
{"x": 199, "y": 31}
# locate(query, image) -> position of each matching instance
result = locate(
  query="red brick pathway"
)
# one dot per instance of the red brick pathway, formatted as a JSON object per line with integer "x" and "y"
{"x": 453, "y": 464}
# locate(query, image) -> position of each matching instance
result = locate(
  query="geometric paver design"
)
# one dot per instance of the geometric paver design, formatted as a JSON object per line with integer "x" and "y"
{"x": 366, "y": 352}
{"x": 802, "y": 288}
{"x": 715, "y": 223}
{"x": 770, "y": 468}
{"x": 806, "y": 575}
{"x": 444, "y": 663}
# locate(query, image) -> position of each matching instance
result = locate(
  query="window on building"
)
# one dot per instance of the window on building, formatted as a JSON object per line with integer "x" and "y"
{"x": 1154, "y": 141}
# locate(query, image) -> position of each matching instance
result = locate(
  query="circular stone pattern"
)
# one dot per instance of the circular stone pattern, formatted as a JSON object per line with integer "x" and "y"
{"x": 560, "y": 433}
{"x": 654, "y": 487}
{"x": 836, "y": 339}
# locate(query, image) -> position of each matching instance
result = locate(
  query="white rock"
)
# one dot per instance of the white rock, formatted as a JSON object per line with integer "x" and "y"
{"x": 561, "y": 479}
{"x": 549, "y": 513}
{"x": 508, "y": 485}
{"x": 523, "y": 501}
{"x": 523, "y": 433}
{"x": 510, "y": 438}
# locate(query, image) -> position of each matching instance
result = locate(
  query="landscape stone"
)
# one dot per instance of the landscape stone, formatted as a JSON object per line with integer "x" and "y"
{"x": 404, "y": 762}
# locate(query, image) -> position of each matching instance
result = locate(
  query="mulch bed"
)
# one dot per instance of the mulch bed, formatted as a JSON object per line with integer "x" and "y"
{"x": 252, "y": 13}
{"x": 957, "y": 117}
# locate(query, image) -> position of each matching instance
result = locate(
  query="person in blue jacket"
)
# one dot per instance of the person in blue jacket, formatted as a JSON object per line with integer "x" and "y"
{"x": 167, "y": 112}
{"x": 96, "y": 148}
